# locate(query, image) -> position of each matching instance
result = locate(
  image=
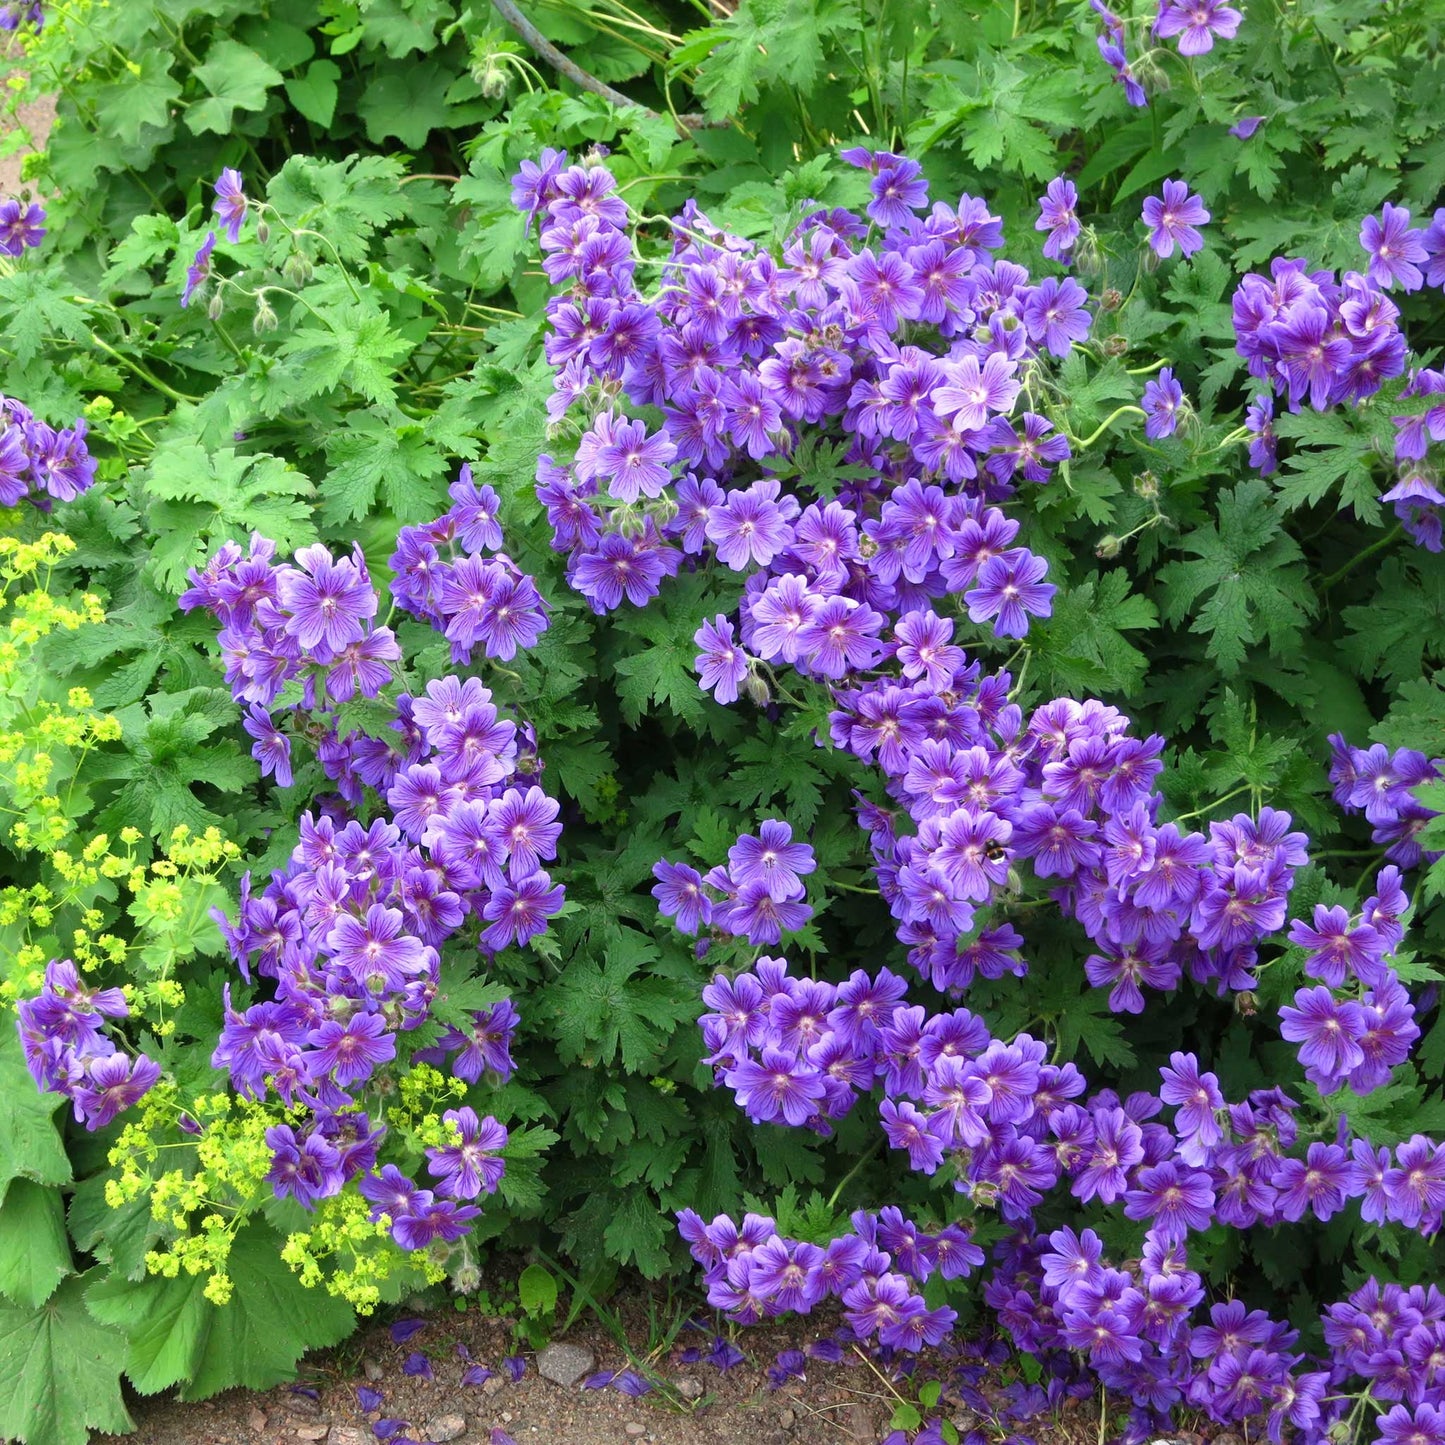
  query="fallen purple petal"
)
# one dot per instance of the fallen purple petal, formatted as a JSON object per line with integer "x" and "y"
{"x": 368, "y": 1398}
{"x": 404, "y": 1330}
{"x": 515, "y": 1366}
{"x": 600, "y": 1380}
{"x": 629, "y": 1382}
{"x": 417, "y": 1365}
{"x": 477, "y": 1375}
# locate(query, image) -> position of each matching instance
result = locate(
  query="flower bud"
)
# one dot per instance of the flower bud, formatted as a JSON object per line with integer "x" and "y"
{"x": 1146, "y": 484}
{"x": 1109, "y": 547}
{"x": 1088, "y": 257}
{"x": 215, "y": 307}
{"x": 467, "y": 1278}
{"x": 298, "y": 269}
{"x": 1111, "y": 299}
{"x": 757, "y": 690}
{"x": 263, "y": 232}
{"x": 265, "y": 317}
{"x": 1115, "y": 345}
{"x": 1246, "y": 1003}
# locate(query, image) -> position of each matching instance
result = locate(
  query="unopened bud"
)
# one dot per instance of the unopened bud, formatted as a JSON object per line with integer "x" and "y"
{"x": 1115, "y": 345}
{"x": 492, "y": 82}
{"x": 467, "y": 1278}
{"x": 1109, "y": 547}
{"x": 1146, "y": 484}
{"x": 757, "y": 690}
{"x": 1149, "y": 260}
{"x": 215, "y": 307}
{"x": 1246, "y": 1003}
{"x": 298, "y": 269}
{"x": 265, "y": 317}
{"x": 263, "y": 232}
{"x": 1088, "y": 257}
{"x": 1111, "y": 299}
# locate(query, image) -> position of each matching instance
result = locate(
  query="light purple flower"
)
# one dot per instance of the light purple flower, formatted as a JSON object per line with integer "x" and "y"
{"x": 1395, "y": 248}
{"x": 1173, "y": 218}
{"x": 1196, "y": 23}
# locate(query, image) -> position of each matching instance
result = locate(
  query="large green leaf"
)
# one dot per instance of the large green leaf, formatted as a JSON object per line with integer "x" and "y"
{"x": 34, "y": 1252}
{"x": 30, "y": 1145}
{"x": 59, "y": 1371}
{"x": 238, "y": 79}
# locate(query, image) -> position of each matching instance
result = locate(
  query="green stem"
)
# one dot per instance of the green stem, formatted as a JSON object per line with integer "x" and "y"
{"x": 141, "y": 371}
{"x": 1391, "y": 536}
{"x": 849, "y": 1176}
{"x": 1218, "y": 802}
{"x": 1105, "y": 425}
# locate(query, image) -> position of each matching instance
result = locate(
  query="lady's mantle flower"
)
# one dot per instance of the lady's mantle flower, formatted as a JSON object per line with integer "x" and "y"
{"x": 1196, "y": 23}
{"x": 231, "y": 203}
{"x": 1174, "y": 218}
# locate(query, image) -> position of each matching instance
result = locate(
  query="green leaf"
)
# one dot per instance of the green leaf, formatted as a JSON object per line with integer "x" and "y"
{"x": 30, "y": 1145}
{"x": 346, "y": 200}
{"x": 140, "y": 99}
{"x": 314, "y": 94}
{"x": 381, "y": 454}
{"x": 1341, "y": 455}
{"x": 34, "y": 1252}
{"x": 537, "y": 1290}
{"x": 638, "y": 1234}
{"x": 408, "y": 102}
{"x": 166, "y": 1322}
{"x": 237, "y": 79}
{"x": 354, "y": 345}
{"x": 1082, "y": 645}
{"x": 117, "y": 1237}
{"x": 200, "y": 500}
{"x": 59, "y": 1371}
{"x": 271, "y": 1321}
{"x": 1248, "y": 584}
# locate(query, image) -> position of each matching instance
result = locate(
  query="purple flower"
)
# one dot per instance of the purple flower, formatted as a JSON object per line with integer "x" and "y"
{"x": 231, "y": 203}
{"x": 199, "y": 271}
{"x": 1114, "y": 57}
{"x": 306, "y": 1169}
{"x": 1196, "y": 23}
{"x": 1259, "y": 420}
{"x": 721, "y": 665}
{"x": 473, "y": 1164}
{"x": 350, "y": 1052}
{"x": 519, "y": 912}
{"x": 110, "y": 1084}
{"x": 272, "y": 748}
{"x": 1058, "y": 218}
{"x": 1395, "y": 248}
{"x": 1434, "y": 243}
{"x": 771, "y": 860}
{"x": 1328, "y": 1031}
{"x": 1246, "y": 126}
{"x": 1422, "y": 1425}
{"x": 898, "y": 189}
{"x": 1055, "y": 315}
{"x": 973, "y": 391}
{"x": 375, "y": 950}
{"x": 1009, "y": 590}
{"x": 778, "y": 1086}
{"x": 20, "y": 227}
{"x": 1163, "y": 397}
{"x": 328, "y": 601}
{"x": 1175, "y": 1200}
{"x": 679, "y": 895}
{"x": 1173, "y": 218}
{"x": 751, "y": 526}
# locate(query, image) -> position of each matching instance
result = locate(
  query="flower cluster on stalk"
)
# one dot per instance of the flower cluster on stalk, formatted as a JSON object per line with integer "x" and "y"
{"x": 39, "y": 464}
{"x": 350, "y": 931}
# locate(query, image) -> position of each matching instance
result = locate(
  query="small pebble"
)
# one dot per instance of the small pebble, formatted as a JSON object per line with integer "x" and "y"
{"x": 492, "y": 1384}
{"x": 299, "y": 1404}
{"x": 445, "y": 1428}
{"x": 634, "y": 1429}
{"x": 312, "y": 1432}
{"x": 689, "y": 1388}
{"x": 346, "y": 1435}
{"x": 371, "y": 1370}
{"x": 256, "y": 1420}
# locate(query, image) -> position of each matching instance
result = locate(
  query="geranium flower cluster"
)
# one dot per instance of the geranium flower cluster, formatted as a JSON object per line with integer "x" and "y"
{"x": 472, "y": 599}
{"x": 753, "y": 1272}
{"x": 759, "y": 893}
{"x": 1377, "y": 782}
{"x": 62, "y": 1030}
{"x": 350, "y": 930}
{"x": 39, "y": 464}
{"x": 903, "y": 346}
{"x": 22, "y": 226}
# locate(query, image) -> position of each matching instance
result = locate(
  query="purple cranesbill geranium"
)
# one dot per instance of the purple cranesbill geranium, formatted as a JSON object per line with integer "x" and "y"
{"x": 20, "y": 227}
{"x": 272, "y": 748}
{"x": 199, "y": 271}
{"x": 1173, "y": 218}
{"x": 520, "y": 911}
{"x": 1009, "y": 590}
{"x": 1163, "y": 398}
{"x": 1115, "y": 58}
{"x": 721, "y": 664}
{"x": 1055, "y": 314}
{"x": 680, "y": 896}
{"x": 231, "y": 203}
{"x": 307, "y": 1169}
{"x": 1058, "y": 217}
{"x": 375, "y": 950}
{"x": 473, "y": 1164}
{"x": 776, "y": 1086}
{"x": 1422, "y": 1424}
{"x": 1395, "y": 248}
{"x": 752, "y": 526}
{"x": 1327, "y": 1029}
{"x": 1259, "y": 421}
{"x": 973, "y": 391}
{"x": 1433, "y": 241}
{"x": 1197, "y": 23}
{"x": 350, "y": 1052}
{"x": 525, "y": 824}
{"x": 328, "y": 601}
{"x": 771, "y": 859}
{"x": 1246, "y": 126}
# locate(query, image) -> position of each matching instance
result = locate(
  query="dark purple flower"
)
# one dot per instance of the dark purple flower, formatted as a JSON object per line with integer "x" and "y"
{"x": 272, "y": 748}
{"x": 1259, "y": 420}
{"x": 473, "y": 1164}
{"x": 20, "y": 227}
{"x": 1163, "y": 397}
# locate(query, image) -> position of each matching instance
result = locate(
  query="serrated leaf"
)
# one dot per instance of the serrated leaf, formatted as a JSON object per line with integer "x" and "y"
{"x": 237, "y": 79}
{"x": 59, "y": 1371}
{"x": 34, "y": 1252}
{"x": 30, "y": 1145}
